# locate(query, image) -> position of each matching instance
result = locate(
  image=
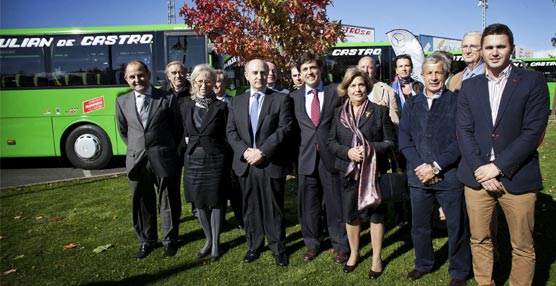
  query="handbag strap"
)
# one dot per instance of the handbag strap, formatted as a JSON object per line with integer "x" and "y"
{"x": 395, "y": 160}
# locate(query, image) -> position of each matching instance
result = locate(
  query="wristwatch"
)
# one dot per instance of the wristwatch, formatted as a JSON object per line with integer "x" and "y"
{"x": 435, "y": 169}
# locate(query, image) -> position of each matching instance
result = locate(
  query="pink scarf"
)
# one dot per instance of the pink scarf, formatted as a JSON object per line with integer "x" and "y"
{"x": 365, "y": 171}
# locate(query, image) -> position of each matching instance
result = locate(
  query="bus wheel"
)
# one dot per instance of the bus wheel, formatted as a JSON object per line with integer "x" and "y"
{"x": 88, "y": 147}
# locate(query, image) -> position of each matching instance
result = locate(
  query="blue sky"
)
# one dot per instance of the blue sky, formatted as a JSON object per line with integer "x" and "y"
{"x": 532, "y": 21}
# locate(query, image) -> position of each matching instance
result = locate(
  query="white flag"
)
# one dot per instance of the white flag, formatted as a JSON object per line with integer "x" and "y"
{"x": 404, "y": 42}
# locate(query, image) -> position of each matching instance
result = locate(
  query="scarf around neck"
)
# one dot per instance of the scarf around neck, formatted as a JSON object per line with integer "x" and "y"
{"x": 204, "y": 102}
{"x": 365, "y": 171}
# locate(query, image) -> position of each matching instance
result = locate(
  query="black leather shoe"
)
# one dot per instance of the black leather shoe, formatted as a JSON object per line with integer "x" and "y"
{"x": 251, "y": 256}
{"x": 457, "y": 282}
{"x": 144, "y": 250}
{"x": 214, "y": 258}
{"x": 281, "y": 259}
{"x": 414, "y": 275}
{"x": 170, "y": 250}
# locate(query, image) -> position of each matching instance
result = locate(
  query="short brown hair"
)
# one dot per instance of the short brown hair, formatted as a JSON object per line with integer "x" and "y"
{"x": 349, "y": 76}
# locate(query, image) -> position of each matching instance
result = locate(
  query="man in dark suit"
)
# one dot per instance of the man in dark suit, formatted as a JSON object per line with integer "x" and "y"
{"x": 259, "y": 124}
{"x": 179, "y": 86}
{"x": 428, "y": 141}
{"x": 273, "y": 79}
{"x": 502, "y": 116}
{"x": 149, "y": 124}
{"x": 318, "y": 181}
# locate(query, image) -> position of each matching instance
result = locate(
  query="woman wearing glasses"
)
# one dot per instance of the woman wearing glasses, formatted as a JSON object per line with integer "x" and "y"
{"x": 204, "y": 124}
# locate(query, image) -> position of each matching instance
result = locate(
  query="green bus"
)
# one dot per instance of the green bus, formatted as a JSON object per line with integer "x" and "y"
{"x": 345, "y": 55}
{"x": 546, "y": 66}
{"x": 59, "y": 85}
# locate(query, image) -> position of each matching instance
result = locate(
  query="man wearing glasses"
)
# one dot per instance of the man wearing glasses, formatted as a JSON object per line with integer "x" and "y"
{"x": 471, "y": 53}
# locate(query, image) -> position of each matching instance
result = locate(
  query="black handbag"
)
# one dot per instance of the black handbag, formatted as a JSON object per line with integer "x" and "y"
{"x": 393, "y": 186}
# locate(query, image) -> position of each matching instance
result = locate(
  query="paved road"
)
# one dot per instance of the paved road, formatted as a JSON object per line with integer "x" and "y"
{"x": 28, "y": 171}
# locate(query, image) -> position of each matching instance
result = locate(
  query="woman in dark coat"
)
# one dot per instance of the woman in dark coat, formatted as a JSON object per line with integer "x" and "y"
{"x": 204, "y": 124}
{"x": 361, "y": 136}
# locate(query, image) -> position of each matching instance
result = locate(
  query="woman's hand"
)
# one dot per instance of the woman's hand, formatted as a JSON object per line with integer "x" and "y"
{"x": 356, "y": 153}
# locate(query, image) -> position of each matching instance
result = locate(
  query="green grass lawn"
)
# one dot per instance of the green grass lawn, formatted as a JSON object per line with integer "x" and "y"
{"x": 38, "y": 223}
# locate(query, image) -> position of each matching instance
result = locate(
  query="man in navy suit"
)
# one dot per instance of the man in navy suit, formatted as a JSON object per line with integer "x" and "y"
{"x": 502, "y": 116}
{"x": 259, "y": 123}
{"x": 318, "y": 182}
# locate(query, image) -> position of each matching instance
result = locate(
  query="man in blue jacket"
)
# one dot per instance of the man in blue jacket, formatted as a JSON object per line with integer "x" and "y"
{"x": 502, "y": 116}
{"x": 427, "y": 138}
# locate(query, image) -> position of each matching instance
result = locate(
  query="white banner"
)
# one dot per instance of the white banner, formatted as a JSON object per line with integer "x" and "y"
{"x": 404, "y": 42}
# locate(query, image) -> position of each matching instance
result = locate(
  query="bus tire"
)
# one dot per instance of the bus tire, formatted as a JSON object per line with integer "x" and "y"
{"x": 88, "y": 147}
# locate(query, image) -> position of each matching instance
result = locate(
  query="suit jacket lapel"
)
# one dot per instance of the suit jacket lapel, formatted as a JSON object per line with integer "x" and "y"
{"x": 209, "y": 117}
{"x": 327, "y": 98}
{"x": 242, "y": 118}
{"x": 265, "y": 108}
{"x": 483, "y": 99}
{"x": 511, "y": 85}
{"x": 131, "y": 107}
{"x": 154, "y": 105}
{"x": 367, "y": 113}
{"x": 302, "y": 102}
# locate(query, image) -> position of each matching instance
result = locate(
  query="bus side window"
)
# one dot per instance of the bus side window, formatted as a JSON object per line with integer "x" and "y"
{"x": 8, "y": 81}
{"x": 74, "y": 79}
{"x": 24, "y": 80}
{"x": 18, "y": 66}
{"x": 40, "y": 80}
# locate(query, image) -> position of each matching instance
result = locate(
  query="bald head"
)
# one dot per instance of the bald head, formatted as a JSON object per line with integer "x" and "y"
{"x": 368, "y": 65}
{"x": 256, "y": 73}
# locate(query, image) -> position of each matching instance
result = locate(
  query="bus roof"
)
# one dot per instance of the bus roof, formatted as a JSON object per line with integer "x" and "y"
{"x": 536, "y": 59}
{"x": 361, "y": 44}
{"x": 92, "y": 29}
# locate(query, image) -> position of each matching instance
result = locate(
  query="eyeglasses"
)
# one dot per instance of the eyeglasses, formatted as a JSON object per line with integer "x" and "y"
{"x": 471, "y": 47}
{"x": 201, "y": 82}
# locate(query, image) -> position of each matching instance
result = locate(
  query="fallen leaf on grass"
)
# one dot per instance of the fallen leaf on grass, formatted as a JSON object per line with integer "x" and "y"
{"x": 70, "y": 246}
{"x": 102, "y": 248}
{"x": 2, "y": 237}
{"x": 39, "y": 217}
{"x": 9, "y": 271}
{"x": 17, "y": 217}
{"x": 19, "y": 256}
{"x": 58, "y": 218}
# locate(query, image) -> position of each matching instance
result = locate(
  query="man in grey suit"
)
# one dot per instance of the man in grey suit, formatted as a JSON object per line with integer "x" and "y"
{"x": 149, "y": 124}
{"x": 259, "y": 123}
{"x": 319, "y": 182}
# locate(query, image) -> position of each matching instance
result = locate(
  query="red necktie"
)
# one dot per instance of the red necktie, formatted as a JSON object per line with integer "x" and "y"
{"x": 315, "y": 107}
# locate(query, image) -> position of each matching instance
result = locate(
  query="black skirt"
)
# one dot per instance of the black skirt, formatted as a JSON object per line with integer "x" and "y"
{"x": 350, "y": 210}
{"x": 204, "y": 178}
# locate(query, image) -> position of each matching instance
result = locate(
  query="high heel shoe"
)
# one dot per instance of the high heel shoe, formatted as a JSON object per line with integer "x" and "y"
{"x": 205, "y": 251}
{"x": 374, "y": 274}
{"x": 349, "y": 268}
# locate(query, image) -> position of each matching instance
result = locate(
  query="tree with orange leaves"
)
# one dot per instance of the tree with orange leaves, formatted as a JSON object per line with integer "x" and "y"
{"x": 278, "y": 30}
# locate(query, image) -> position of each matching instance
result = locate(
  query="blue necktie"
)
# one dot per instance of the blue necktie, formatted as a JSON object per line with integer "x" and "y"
{"x": 254, "y": 115}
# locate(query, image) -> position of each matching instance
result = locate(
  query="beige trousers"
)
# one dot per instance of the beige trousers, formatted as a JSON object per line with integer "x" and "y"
{"x": 519, "y": 211}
